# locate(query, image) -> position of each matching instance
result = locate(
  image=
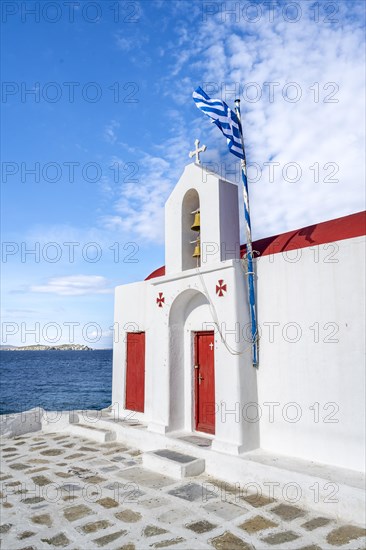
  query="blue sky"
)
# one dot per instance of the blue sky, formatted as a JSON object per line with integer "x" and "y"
{"x": 97, "y": 99}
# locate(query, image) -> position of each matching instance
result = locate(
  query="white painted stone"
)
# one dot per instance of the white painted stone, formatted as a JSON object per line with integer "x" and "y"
{"x": 332, "y": 491}
{"x": 170, "y": 467}
{"x": 12, "y": 425}
{"x": 90, "y": 432}
{"x": 56, "y": 420}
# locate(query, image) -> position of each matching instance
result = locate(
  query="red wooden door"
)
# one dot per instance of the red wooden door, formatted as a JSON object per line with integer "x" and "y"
{"x": 135, "y": 371}
{"x": 205, "y": 382}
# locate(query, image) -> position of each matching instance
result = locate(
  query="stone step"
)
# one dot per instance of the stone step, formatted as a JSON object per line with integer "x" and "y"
{"x": 173, "y": 464}
{"x": 89, "y": 432}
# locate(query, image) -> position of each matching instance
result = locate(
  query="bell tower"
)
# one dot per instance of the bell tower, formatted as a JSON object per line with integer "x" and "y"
{"x": 201, "y": 221}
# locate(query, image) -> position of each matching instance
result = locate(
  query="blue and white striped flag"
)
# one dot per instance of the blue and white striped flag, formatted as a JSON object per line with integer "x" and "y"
{"x": 230, "y": 125}
{"x": 223, "y": 117}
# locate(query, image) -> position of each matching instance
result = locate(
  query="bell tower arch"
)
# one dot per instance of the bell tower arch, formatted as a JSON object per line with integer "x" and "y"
{"x": 190, "y": 237}
{"x": 215, "y": 234}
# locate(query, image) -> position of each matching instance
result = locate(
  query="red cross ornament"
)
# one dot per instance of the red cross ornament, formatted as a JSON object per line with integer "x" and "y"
{"x": 160, "y": 300}
{"x": 221, "y": 287}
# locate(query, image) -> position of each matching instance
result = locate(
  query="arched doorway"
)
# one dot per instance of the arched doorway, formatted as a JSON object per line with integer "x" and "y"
{"x": 189, "y": 314}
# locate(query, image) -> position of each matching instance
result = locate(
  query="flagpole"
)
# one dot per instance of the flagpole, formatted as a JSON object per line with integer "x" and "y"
{"x": 248, "y": 230}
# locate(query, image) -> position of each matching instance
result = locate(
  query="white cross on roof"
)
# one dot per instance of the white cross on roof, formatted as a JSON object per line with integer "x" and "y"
{"x": 197, "y": 151}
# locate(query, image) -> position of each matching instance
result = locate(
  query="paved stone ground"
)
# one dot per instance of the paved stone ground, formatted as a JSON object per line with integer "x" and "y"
{"x": 60, "y": 491}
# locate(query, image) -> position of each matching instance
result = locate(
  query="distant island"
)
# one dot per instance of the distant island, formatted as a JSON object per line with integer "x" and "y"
{"x": 38, "y": 347}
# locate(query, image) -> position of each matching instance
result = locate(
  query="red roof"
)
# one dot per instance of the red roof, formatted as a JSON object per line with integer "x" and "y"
{"x": 339, "y": 229}
{"x": 157, "y": 273}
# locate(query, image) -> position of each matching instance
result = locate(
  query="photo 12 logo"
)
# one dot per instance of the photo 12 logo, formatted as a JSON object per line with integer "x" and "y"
{"x": 69, "y": 172}
{"x": 270, "y": 12}
{"x": 68, "y": 91}
{"x": 271, "y": 91}
{"x": 53, "y": 252}
{"x": 70, "y": 11}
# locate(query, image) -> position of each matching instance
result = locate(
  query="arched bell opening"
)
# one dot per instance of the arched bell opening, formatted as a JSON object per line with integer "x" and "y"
{"x": 191, "y": 226}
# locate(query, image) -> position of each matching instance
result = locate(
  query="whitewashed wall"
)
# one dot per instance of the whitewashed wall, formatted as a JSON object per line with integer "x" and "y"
{"x": 309, "y": 390}
{"x": 314, "y": 300}
{"x": 189, "y": 302}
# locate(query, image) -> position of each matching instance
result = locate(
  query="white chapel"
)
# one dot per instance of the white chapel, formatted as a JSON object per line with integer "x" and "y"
{"x": 182, "y": 359}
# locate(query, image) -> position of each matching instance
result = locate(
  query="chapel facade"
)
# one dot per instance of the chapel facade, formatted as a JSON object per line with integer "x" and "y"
{"x": 182, "y": 359}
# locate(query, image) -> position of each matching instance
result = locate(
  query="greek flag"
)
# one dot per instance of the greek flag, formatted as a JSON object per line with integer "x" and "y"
{"x": 223, "y": 117}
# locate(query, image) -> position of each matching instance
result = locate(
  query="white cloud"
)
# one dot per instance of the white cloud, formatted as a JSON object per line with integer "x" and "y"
{"x": 110, "y": 131}
{"x": 124, "y": 44}
{"x": 131, "y": 40}
{"x": 74, "y": 285}
{"x": 139, "y": 209}
{"x": 311, "y": 130}
{"x": 316, "y": 135}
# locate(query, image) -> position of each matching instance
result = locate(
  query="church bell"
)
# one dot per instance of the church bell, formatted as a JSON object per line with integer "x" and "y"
{"x": 197, "y": 222}
{"x": 197, "y": 250}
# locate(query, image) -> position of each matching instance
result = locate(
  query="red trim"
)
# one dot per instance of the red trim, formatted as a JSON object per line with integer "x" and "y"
{"x": 157, "y": 273}
{"x": 347, "y": 227}
{"x": 339, "y": 229}
{"x": 195, "y": 374}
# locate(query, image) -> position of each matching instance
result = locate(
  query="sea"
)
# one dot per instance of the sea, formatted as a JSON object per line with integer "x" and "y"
{"x": 55, "y": 380}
